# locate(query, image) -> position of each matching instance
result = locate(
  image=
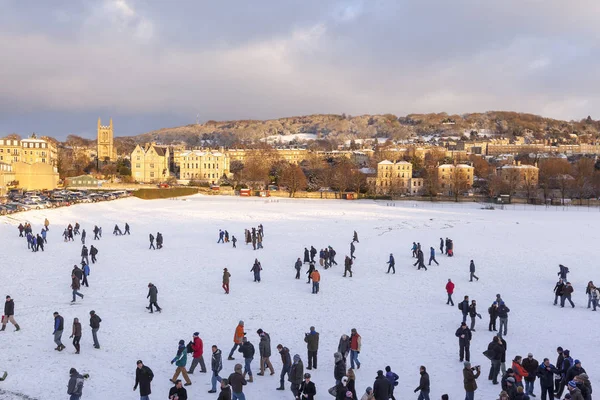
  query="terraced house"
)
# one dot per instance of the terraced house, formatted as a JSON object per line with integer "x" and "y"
{"x": 150, "y": 163}
{"x": 203, "y": 165}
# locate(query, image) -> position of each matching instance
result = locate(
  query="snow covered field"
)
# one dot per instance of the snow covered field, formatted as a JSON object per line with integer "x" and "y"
{"x": 403, "y": 319}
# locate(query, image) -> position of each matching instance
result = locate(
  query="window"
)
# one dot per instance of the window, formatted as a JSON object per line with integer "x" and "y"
{"x": 138, "y": 157}
{"x": 151, "y": 174}
{"x": 151, "y": 165}
{"x": 137, "y": 165}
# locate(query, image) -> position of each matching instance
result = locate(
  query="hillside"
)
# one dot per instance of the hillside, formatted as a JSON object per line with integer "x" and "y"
{"x": 343, "y": 127}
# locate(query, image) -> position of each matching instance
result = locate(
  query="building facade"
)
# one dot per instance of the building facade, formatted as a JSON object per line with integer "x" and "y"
{"x": 106, "y": 148}
{"x": 393, "y": 177}
{"x": 81, "y": 181}
{"x": 150, "y": 163}
{"x": 203, "y": 166}
{"x": 31, "y": 150}
{"x": 518, "y": 177}
{"x": 453, "y": 179}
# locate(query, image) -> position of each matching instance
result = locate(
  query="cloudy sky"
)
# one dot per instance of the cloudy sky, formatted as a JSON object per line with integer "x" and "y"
{"x": 153, "y": 63}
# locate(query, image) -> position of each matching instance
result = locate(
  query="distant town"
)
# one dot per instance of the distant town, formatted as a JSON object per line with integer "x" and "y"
{"x": 477, "y": 163}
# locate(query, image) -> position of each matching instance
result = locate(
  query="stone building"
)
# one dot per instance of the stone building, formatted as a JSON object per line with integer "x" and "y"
{"x": 31, "y": 150}
{"x": 518, "y": 177}
{"x": 150, "y": 163}
{"x": 393, "y": 177}
{"x": 454, "y": 179}
{"x": 106, "y": 148}
{"x": 202, "y": 165}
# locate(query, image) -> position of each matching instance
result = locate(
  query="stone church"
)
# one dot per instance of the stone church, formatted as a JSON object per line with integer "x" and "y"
{"x": 106, "y": 148}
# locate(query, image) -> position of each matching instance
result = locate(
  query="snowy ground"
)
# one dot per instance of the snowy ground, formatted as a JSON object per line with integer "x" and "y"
{"x": 403, "y": 318}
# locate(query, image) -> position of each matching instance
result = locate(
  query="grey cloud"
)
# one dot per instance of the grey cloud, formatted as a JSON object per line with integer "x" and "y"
{"x": 267, "y": 58}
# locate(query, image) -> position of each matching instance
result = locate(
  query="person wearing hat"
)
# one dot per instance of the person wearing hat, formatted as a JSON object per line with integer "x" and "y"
{"x": 226, "y": 276}
{"x": 470, "y": 376}
{"x": 463, "y": 333}
{"x": 391, "y": 264}
{"x": 75, "y": 385}
{"x": 225, "y": 393}
{"x": 9, "y": 313}
{"x": 237, "y": 339}
{"x": 381, "y": 387}
{"x": 307, "y": 390}
{"x": 180, "y": 360}
{"x": 584, "y": 384}
{"x": 575, "y": 391}
{"x": 95, "y": 325}
{"x": 530, "y": 365}
{"x": 198, "y": 355}
{"x": 178, "y": 392}
{"x": 153, "y": 296}
{"x": 143, "y": 379}
{"x": 575, "y": 370}
{"x": 503, "y": 396}
{"x": 296, "y": 375}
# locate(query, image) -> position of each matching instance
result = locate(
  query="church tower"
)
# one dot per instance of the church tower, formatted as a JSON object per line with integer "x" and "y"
{"x": 106, "y": 149}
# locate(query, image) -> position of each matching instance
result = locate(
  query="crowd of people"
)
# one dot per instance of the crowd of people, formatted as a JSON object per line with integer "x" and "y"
{"x": 516, "y": 379}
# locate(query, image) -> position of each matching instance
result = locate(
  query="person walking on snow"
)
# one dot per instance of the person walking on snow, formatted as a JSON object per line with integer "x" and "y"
{"x": 153, "y": 296}
{"x": 226, "y": 276}
{"x": 126, "y": 229}
{"x": 311, "y": 268}
{"x": 59, "y": 324}
{"x": 348, "y": 266}
{"x": 313, "y": 253}
{"x": 316, "y": 278}
{"x": 237, "y": 339}
{"x": 9, "y": 314}
{"x": 450, "y": 291}
{"x": 95, "y": 325}
{"x": 233, "y": 241}
{"x": 75, "y": 285}
{"x": 420, "y": 260}
{"x": 247, "y": 350}
{"x": 198, "y": 354}
{"x": 151, "y": 236}
{"x": 221, "y": 236}
{"x": 441, "y": 246}
{"x": 423, "y": 384}
{"x": 86, "y": 272}
{"x": 143, "y": 378}
{"x": 180, "y": 360}
{"x": 84, "y": 254}
{"x": 216, "y": 366}
{"x": 96, "y": 232}
{"x": 463, "y": 306}
{"x": 566, "y": 295}
{"x": 355, "y": 345}
{"x": 256, "y": 268}
{"x": 352, "y": 250}
{"x": 414, "y": 249}
{"x": 432, "y": 256}
{"x": 76, "y": 335}
{"x": 312, "y": 345}
{"x": 75, "y": 385}
{"x": 159, "y": 240}
{"x": 83, "y": 235}
{"x": 296, "y": 375}
{"x": 558, "y": 290}
{"x": 93, "y": 253}
{"x": 286, "y": 361}
{"x": 563, "y": 271}
{"x": 264, "y": 348}
{"x": 237, "y": 382}
{"x": 306, "y": 256}
{"x": 472, "y": 271}
{"x": 355, "y": 237}
{"x": 392, "y": 264}
{"x": 298, "y": 267}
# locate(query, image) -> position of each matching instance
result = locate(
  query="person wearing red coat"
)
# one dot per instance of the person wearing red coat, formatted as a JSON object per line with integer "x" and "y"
{"x": 450, "y": 290}
{"x": 198, "y": 348}
{"x": 520, "y": 372}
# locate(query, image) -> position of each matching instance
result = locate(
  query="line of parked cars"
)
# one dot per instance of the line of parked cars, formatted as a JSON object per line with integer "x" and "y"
{"x": 17, "y": 201}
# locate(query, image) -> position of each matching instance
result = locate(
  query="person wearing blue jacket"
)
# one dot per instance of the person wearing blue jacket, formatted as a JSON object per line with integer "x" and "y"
{"x": 43, "y": 233}
{"x": 392, "y": 378}
{"x": 432, "y": 256}
{"x": 180, "y": 360}
{"x": 86, "y": 272}
{"x": 392, "y": 264}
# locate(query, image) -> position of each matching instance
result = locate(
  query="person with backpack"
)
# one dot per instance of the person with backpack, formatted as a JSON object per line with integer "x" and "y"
{"x": 143, "y": 378}
{"x": 75, "y": 385}
{"x": 197, "y": 348}
{"x": 463, "y": 306}
{"x": 392, "y": 378}
{"x": 248, "y": 351}
{"x": 180, "y": 360}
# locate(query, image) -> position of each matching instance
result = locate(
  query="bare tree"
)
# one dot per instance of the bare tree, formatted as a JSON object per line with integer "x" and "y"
{"x": 293, "y": 179}
{"x": 583, "y": 174}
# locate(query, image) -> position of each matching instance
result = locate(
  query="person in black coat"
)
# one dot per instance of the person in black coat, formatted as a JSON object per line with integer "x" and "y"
{"x": 306, "y": 256}
{"x": 463, "y": 333}
{"x": 546, "y": 373}
{"x": 311, "y": 268}
{"x": 559, "y": 362}
{"x": 558, "y": 290}
{"x": 495, "y": 352}
{"x": 381, "y": 387}
{"x": 143, "y": 377}
{"x": 313, "y": 253}
{"x": 298, "y": 267}
{"x": 339, "y": 371}
{"x": 307, "y": 390}
{"x": 423, "y": 384}
{"x": 178, "y": 392}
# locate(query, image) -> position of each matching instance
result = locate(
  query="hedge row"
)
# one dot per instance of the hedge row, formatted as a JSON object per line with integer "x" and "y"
{"x": 152, "y": 194}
